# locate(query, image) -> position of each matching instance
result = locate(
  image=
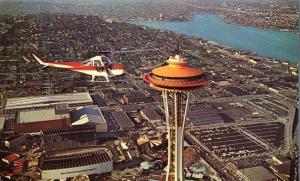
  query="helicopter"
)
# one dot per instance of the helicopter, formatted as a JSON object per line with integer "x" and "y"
{"x": 97, "y": 66}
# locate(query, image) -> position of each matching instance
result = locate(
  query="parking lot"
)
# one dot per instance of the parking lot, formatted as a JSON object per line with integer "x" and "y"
{"x": 228, "y": 142}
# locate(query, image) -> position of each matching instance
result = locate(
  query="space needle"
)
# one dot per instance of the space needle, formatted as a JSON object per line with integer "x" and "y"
{"x": 176, "y": 80}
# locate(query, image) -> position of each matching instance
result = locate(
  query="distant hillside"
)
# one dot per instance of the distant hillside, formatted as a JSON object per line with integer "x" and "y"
{"x": 108, "y": 8}
{"x": 14, "y": 7}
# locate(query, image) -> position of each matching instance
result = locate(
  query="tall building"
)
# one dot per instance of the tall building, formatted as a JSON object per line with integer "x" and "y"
{"x": 175, "y": 80}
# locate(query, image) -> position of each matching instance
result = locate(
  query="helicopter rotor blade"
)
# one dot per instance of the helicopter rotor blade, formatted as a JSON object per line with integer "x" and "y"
{"x": 112, "y": 53}
{"x": 133, "y": 51}
{"x": 124, "y": 51}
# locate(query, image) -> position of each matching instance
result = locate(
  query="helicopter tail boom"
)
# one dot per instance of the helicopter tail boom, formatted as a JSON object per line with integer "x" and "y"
{"x": 39, "y": 60}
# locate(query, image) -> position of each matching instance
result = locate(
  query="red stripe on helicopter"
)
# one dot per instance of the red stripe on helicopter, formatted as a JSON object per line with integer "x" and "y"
{"x": 73, "y": 64}
{"x": 117, "y": 66}
{"x": 84, "y": 68}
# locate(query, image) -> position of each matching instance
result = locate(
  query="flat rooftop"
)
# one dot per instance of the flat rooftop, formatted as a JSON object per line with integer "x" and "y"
{"x": 49, "y": 100}
{"x": 39, "y": 115}
{"x": 258, "y": 173}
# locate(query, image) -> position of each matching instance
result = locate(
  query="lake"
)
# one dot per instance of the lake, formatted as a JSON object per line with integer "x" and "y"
{"x": 267, "y": 43}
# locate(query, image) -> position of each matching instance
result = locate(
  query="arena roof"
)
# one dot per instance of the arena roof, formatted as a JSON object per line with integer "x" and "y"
{"x": 49, "y": 100}
{"x": 75, "y": 158}
{"x": 88, "y": 114}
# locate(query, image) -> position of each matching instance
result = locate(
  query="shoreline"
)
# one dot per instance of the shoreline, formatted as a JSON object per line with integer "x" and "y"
{"x": 214, "y": 43}
{"x": 260, "y": 27}
{"x": 235, "y": 50}
{"x": 245, "y": 55}
{"x": 190, "y": 17}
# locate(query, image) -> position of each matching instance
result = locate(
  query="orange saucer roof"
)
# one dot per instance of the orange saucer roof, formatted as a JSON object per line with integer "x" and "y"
{"x": 177, "y": 76}
{"x": 177, "y": 68}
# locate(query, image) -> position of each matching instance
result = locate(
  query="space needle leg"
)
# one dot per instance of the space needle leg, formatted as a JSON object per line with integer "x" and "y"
{"x": 169, "y": 166}
{"x": 181, "y": 139}
{"x": 179, "y": 135}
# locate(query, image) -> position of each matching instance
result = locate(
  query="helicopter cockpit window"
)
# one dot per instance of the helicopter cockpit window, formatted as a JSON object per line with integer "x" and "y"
{"x": 87, "y": 62}
{"x": 97, "y": 63}
{"x": 105, "y": 61}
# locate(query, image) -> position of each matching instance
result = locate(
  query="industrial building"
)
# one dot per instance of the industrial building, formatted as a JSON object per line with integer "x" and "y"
{"x": 150, "y": 115}
{"x": 34, "y": 102}
{"x": 218, "y": 113}
{"x": 203, "y": 114}
{"x": 134, "y": 97}
{"x": 122, "y": 120}
{"x": 29, "y": 121}
{"x": 69, "y": 137}
{"x": 89, "y": 115}
{"x": 68, "y": 164}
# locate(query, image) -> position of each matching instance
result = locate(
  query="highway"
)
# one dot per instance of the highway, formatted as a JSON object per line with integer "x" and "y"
{"x": 289, "y": 130}
{"x": 288, "y": 122}
{"x": 233, "y": 99}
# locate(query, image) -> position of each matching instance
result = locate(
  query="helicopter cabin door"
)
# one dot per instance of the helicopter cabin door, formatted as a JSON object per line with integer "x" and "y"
{"x": 99, "y": 65}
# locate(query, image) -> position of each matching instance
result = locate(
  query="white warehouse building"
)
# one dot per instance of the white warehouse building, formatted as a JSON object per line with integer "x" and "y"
{"x": 37, "y": 102}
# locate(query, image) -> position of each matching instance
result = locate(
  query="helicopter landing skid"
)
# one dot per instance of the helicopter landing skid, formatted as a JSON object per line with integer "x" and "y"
{"x": 97, "y": 81}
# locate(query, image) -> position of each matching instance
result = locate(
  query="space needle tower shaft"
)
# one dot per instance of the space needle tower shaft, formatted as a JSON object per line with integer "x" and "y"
{"x": 175, "y": 117}
{"x": 176, "y": 80}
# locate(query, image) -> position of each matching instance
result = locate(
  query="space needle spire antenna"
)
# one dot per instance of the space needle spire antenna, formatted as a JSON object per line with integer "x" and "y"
{"x": 175, "y": 80}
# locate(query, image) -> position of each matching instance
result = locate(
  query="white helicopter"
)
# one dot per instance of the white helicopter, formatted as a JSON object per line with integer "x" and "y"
{"x": 97, "y": 66}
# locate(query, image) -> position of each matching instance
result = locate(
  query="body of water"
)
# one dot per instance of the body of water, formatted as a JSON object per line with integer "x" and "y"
{"x": 267, "y": 43}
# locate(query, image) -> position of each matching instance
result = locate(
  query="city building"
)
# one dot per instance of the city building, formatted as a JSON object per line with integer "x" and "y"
{"x": 123, "y": 120}
{"x": 134, "y": 97}
{"x": 72, "y": 163}
{"x": 150, "y": 115}
{"x": 173, "y": 80}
